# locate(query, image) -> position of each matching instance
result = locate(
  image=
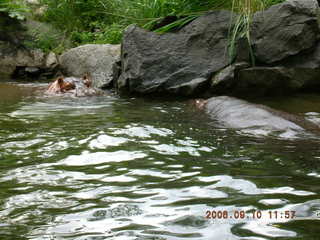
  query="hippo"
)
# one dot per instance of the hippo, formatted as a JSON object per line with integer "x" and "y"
{"x": 72, "y": 86}
{"x": 234, "y": 113}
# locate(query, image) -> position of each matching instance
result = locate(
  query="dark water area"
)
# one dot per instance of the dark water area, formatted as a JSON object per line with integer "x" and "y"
{"x": 125, "y": 168}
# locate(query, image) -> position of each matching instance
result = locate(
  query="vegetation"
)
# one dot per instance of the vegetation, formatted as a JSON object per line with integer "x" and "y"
{"x": 103, "y": 21}
{"x": 14, "y": 9}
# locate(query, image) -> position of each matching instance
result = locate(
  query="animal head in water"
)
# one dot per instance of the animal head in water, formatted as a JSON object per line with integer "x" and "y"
{"x": 60, "y": 85}
{"x": 199, "y": 103}
{"x": 73, "y": 86}
{"x": 65, "y": 86}
{"x": 87, "y": 80}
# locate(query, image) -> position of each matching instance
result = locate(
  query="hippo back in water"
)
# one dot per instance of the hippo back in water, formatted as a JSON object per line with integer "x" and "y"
{"x": 72, "y": 86}
{"x": 239, "y": 114}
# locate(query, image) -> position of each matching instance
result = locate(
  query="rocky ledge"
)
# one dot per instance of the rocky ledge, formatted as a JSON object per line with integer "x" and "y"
{"x": 192, "y": 61}
{"x": 195, "y": 60}
{"x": 17, "y": 59}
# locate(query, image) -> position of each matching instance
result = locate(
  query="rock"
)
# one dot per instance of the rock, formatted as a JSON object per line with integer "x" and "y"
{"x": 189, "y": 88}
{"x": 225, "y": 77}
{"x": 262, "y": 81}
{"x": 19, "y": 56}
{"x": 51, "y": 60}
{"x": 284, "y": 30}
{"x": 225, "y": 80}
{"x": 307, "y": 60}
{"x": 10, "y": 30}
{"x": 94, "y": 59}
{"x": 179, "y": 62}
{"x": 32, "y": 70}
{"x": 12, "y": 57}
{"x": 239, "y": 114}
{"x": 285, "y": 43}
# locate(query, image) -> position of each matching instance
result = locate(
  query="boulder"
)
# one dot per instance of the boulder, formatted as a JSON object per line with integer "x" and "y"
{"x": 225, "y": 80}
{"x": 51, "y": 60}
{"x": 262, "y": 81}
{"x": 284, "y": 30}
{"x": 97, "y": 60}
{"x": 285, "y": 43}
{"x": 19, "y": 55}
{"x": 13, "y": 57}
{"x": 295, "y": 73}
{"x": 239, "y": 114}
{"x": 181, "y": 62}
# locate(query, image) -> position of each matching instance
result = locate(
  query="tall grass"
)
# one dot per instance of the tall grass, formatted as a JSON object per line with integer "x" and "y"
{"x": 241, "y": 29}
{"x": 96, "y": 20}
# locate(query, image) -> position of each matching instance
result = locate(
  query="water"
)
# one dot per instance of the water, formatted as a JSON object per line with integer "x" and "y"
{"x": 125, "y": 168}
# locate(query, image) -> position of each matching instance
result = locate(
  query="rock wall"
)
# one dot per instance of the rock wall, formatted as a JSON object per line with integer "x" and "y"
{"x": 16, "y": 59}
{"x": 286, "y": 47}
{"x": 194, "y": 60}
{"x": 179, "y": 63}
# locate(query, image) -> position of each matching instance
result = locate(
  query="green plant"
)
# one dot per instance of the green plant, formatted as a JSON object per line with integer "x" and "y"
{"x": 13, "y": 9}
{"x": 241, "y": 29}
{"x": 103, "y": 21}
{"x": 109, "y": 34}
{"x": 100, "y": 34}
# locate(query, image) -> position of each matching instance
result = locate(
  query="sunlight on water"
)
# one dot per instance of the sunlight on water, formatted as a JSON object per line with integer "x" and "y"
{"x": 112, "y": 168}
{"x": 87, "y": 158}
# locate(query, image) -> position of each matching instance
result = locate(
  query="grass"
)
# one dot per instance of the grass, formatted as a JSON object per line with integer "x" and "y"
{"x": 241, "y": 29}
{"x": 103, "y": 21}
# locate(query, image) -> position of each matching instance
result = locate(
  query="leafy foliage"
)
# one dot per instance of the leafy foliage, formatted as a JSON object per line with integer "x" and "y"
{"x": 103, "y": 21}
{"x": 13, "y": 9}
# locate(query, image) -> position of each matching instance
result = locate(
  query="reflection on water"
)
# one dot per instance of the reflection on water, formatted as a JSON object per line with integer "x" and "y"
{"x": 112, "y": 168}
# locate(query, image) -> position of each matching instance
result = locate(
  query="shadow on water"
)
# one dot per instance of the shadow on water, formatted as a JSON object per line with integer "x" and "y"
{"x": 113, "y": 168}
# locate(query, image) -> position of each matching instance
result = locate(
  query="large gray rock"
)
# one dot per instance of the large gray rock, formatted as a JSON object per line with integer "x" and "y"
{"x": 286, "y": 46}
{"x": 13, "y": 57}
{"x": 285, "y": 30}
{"x": 19, "y": 52}
{"x": 95, "y": 59}
{"x": 276, "y": 80}
{"x": 180, "y": 62}
{"x": 295, "y": 73}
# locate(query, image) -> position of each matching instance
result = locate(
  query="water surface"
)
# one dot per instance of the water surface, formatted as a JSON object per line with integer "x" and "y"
{"x": 125, "y": 168}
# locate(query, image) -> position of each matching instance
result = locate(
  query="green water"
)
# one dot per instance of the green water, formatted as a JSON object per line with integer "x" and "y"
{"x": 114, "y": 168}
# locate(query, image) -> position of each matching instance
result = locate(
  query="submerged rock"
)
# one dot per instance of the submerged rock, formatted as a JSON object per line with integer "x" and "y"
{"x": 94, "y": 59}
{"x": 239, "y": 114}
{"x": 181, "y": 62}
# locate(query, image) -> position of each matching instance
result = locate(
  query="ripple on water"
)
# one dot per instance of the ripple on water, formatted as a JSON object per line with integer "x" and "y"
{"x": 98, "y": 168}
{"x": 54, "y": 107}
{"x": 146, "y": 131}
{"x": 88, "y": 158}
{"x": 249, "y": 188}
{"x": 103, "y": 141}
